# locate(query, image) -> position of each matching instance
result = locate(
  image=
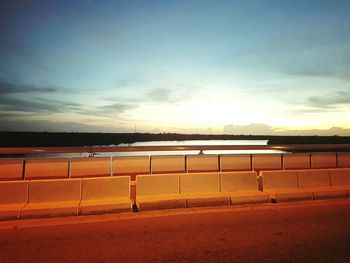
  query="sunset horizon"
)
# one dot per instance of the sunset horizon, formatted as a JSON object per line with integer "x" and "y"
{"x": 189, "y": 67}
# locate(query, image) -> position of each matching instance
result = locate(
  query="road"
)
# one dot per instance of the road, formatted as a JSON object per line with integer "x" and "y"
{"x": 316, "y": 231}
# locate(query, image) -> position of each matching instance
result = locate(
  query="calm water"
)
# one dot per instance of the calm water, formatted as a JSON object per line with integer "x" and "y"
{"x": 174, "y": 143}
{"x": 196, "y": 142}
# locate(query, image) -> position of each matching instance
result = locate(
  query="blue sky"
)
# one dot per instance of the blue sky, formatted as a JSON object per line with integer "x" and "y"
{"x": 252, "y": 67}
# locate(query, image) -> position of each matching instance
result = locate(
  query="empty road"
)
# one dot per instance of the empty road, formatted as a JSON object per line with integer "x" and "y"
{"x": 317, "y": 231}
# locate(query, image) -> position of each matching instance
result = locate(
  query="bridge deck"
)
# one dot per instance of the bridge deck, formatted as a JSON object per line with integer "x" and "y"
{"x": 308, "y": 231}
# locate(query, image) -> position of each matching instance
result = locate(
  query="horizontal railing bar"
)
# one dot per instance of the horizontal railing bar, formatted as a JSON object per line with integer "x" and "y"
{"x": 99, "y": 149}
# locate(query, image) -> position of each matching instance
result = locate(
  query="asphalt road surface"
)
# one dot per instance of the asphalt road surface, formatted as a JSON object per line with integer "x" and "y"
{"x": 317, "y": 231}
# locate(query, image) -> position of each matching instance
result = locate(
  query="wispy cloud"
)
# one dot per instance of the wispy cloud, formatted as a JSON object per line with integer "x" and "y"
{"x": 150, "y": 92}
{"x": 116, "y": 107}
{"x": 110, "y": 110}
{"x": 51, "y": 126}
{"x": 254, "y": 128}
{"x": 319, "y": 71}
{"x": 14, "y": 104}
{"x": 174, "y": 94}
{"x": 159, "y": 94}
{"x": 264, "y": 129}
{"x": 330, "y": 101}
{"x": 9, "y": 88}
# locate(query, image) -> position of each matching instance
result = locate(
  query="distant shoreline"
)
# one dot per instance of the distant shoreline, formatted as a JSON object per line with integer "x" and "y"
{"x": 67, "y": 139}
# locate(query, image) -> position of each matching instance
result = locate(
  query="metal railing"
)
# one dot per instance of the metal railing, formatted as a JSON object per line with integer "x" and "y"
{"x": 100, "y": 149}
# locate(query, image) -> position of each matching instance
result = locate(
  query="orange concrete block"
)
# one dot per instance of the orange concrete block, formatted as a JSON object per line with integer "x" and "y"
{"x": 242, "y": 188}
{"x": 249, "y": 197}
{"x": 199, "y": 182}
{"x": 238, "y": 181}
{"x": 235, "y": 162}
{"x": 340, "y": 179}
{"x": 296, "y": 161}
{"x": 282, "y": 186}
{"x": 329, "y": 192}
{"x": 158, "y": 184}
{"x": 202, "y": 163}
{"x": 323, "y": 160}
{"x": 318, "y": 181}
{"x": 54, "y": 197}
{"x": 206, "y": 199}
{"x": 131, "y": 165}
{"x": 340, "y": 176}
{"x": 313, "y": 178}
{"x": 13, "y": 197}
{"x": 202, "y": 189}
{"x": 266, "y": 162}
{"x": 90, "y": 167}
{"x": 158, "y": 202}
{"x": 289, "y": 194}
{"x": 107, "y": 194}
{"x": 46, "y": 168}
{"x": 158, "y": 192}
{"x": 343, "y": 159}
{"x": 11, "y": 169}
{"x": 167, "y": 164}
{"x": 279, "y": 179}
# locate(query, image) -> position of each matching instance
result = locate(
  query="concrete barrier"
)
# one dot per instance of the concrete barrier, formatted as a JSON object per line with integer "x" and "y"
{"x": 202, "y": 189}
{"x": 161, "y": 164}
{"x": 235, "y": 162}
{"x": 266, "y": 162}
{"x": 54, "y": 197}
{"x": 13, "y": 197}
{"x": 46, "y": 168}
{"x": 90, "y": 167}
{"x": 11, "y": 169}
{"x": 282, "y": 186}
{"x": 242, "y": 188}
{"x": 323, "y": 160}
{"x": 158, "y": 192}
{"x": 343, "y": 160}
{"x": 296, "y": 161}
{"x": 131, "y": 166}
{"x": 318, "y": 181}
{"x": 340, "y": 178}
{"x": 107, "y": 194}
{"x": 196, "y": 163}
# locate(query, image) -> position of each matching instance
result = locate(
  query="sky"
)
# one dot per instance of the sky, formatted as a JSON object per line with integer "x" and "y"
{"x": 213, "y": 67}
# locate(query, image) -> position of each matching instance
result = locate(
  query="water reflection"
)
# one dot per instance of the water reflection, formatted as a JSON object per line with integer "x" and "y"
{"x": 171, "y": 143}
{"x": 191, "y": 143}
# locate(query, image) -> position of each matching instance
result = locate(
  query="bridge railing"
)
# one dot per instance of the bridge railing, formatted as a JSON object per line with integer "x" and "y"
{"x": 91, "y": 150}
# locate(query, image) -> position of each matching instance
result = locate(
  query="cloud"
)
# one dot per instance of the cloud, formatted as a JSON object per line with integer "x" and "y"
{"x": 319, "y": 104}
{"x": 110, "y": 110}
{"x": 145, "y": 94}
{"x": 32, "y": 99}
{"x": 36, "y": 105}
{"x": 327, "y": 132}
{"x": 330, "y": 101}
{"x": 308, "y": 111}
{"x": 264, "y": 129}
{"x": 254, "y": 128}
{"x": 116, "y": 107}
{"x": 49, "y": 126}
{"x": 314, "y": 71}
{"x": 175, "y": 94}
{"x": 159, "y": 94}
{"x": 9, "y": 88}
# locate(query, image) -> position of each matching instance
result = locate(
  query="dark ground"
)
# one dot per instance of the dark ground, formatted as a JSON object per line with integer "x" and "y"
{"x": 47, "y": 139}
{"x": 316, "y": 231}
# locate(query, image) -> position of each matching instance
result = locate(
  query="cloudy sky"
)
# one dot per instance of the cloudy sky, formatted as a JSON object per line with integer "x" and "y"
{"x": 252, "y": 67}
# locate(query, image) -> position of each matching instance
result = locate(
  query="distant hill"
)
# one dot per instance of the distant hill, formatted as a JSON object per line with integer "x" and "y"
{"x": 52, "y": 139}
